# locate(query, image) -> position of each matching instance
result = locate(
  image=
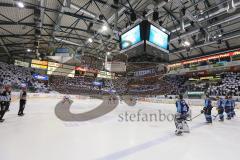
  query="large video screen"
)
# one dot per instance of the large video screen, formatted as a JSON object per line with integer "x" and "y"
{"x": 131, "y": 37}
{"x": 158, "y": 37}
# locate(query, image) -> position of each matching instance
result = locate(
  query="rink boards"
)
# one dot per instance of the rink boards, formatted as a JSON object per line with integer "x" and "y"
{"x": 160, "y": 99}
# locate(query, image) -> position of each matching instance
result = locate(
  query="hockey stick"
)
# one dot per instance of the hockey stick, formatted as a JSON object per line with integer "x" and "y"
{"x": 195, "y": 117}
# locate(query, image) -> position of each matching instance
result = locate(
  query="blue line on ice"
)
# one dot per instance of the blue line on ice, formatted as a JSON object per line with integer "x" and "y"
{"x": 128, "y": 151}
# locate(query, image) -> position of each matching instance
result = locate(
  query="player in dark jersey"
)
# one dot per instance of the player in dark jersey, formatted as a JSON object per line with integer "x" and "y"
{"x": 5, "y": 99}
{"x": 23, "y": 99}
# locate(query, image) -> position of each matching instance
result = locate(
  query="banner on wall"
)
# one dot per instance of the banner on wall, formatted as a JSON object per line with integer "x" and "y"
{"x": 196, "y": 93}
{"x": 38, "y": 66}
{"x": 144, "y": 72}
{"x": 68, "y": 67}
{"x": 115, "y": 66}
{"x": 21, "y": 63}
{"x": 35, "y": 61}
{"x": 86, "y": 69}
{"x": 52, "y": 64}
{"x": 89, "y": 74}
{"x": 107, "y": 75}
{"x": 40, "y": 77}
{"x": 61, "y": 70}
{"x": 60, "y": 73}
{"x": 96, "y": 83}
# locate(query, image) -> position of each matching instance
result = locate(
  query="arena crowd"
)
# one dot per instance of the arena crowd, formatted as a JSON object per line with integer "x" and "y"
{"x": 155, "y": 84}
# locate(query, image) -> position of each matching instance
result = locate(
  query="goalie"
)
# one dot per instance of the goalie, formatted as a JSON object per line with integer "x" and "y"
{"x": 183, "y": 113}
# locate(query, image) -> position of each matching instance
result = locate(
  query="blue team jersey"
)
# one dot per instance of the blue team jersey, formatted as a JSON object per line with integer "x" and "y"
{"x": 220, "y": 103}
{"x": 207, "y": 103}
{"x": 232, "y": 103}
{"x": 182, "y": 106}
{"x": 227, "y": 103}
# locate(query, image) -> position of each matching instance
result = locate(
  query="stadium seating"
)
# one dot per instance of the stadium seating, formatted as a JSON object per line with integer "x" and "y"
{"x": 15, "y": 76}
{"x": 230, "y": 84}
{"x": 148, "y": 85}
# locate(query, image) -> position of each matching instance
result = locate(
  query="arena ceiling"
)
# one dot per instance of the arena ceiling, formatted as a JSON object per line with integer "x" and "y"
{"x": 39, "y": 26}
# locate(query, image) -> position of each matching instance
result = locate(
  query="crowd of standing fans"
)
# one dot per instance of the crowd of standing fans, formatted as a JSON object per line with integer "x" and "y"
{"x": 16, "y": 75}
{"x": 229, "y": 84}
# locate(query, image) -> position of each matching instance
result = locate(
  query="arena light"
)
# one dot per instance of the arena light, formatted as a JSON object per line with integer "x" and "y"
{"x": 20, "y": 4}
{"x": 104, "y": 28}
{"x": 29, "y": 50}
{"x": 90, "y": 40}
{"x": 186, "y": 43}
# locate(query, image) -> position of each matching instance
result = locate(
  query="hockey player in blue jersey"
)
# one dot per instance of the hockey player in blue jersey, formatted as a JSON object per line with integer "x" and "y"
{"x": 227, "y": 107}
{"x": 181, "y": 116}
{"x": 220, "y": 108}
{"x": 232, "y": 112}
{"x": 207, "y": 109}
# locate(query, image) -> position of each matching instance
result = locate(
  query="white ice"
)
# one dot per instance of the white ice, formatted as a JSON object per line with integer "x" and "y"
{"x": 40, "y": 135}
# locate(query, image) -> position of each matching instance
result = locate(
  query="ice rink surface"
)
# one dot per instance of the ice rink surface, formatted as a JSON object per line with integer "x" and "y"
{"x": 40, "y": 135}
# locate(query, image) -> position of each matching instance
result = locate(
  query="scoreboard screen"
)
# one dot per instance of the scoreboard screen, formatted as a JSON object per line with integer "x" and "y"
{"x": 158, "y": 37}
{"x": 131, "y": 37}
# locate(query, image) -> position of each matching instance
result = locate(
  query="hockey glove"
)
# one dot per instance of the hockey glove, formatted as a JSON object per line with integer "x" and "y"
{"x": 203, "y": 110}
